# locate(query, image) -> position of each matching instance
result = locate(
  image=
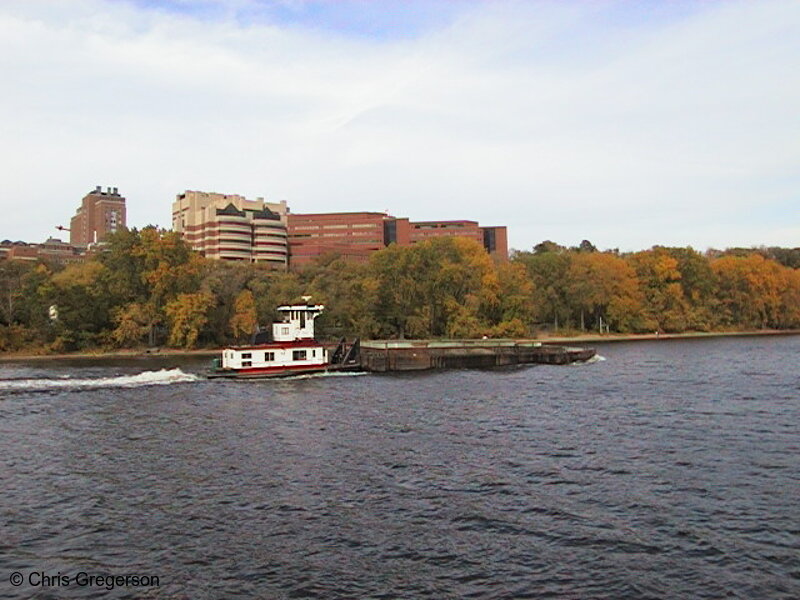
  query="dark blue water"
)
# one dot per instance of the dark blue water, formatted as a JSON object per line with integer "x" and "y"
{"x": 669, "y": 470}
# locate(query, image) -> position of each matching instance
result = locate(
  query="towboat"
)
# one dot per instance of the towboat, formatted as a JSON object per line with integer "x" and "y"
{"x": 292, "y": 350}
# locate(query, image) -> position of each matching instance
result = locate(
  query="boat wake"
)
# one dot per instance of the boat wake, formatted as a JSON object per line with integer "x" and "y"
{"x": 320, "y": 375}
{"x": 162, "y": 377}
{"x": 595, "y": 359}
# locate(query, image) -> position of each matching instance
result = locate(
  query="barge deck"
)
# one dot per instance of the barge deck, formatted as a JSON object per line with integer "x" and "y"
{"x": 418, "y": 355}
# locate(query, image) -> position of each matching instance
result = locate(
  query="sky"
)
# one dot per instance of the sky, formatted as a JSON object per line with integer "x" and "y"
{"x": 627, "y": 123}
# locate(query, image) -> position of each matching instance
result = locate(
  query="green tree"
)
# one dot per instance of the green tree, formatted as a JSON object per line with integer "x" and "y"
{"x": 549, "y": 275}
{"x": 84, "y": 307}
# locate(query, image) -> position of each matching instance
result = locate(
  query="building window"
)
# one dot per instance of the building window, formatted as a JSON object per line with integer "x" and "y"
{"x": 269, "y": 356}
{"x": 298, "y": 355}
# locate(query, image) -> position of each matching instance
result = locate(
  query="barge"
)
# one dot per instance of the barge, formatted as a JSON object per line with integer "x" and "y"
{"x": 418, "y": 355}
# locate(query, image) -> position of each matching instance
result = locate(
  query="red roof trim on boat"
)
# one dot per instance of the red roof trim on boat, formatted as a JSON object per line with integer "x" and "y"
{"x": 309, "y": 344}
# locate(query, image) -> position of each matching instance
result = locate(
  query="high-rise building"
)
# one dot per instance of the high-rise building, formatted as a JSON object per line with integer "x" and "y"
{"x": 231, "y": 227}
{"x": 99, "y": 214}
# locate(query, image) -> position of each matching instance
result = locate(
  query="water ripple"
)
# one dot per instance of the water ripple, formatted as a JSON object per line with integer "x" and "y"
{"x": 667, "y": 470}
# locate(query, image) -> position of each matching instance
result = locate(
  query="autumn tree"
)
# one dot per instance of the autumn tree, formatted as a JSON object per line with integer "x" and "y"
{"x": 516, "y": 305}
{"x": 132, "y": 324}
{"x": 660, "y": 281}
{"x": 188, "y": 315}
{"x": 750, "y": 290}
{"x": 442, "y": 286}
{"x": 603, "y": 288}
{"x": 245, "y": 319}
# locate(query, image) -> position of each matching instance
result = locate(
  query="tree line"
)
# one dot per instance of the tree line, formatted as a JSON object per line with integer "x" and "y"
{"x": 148, "y": 288}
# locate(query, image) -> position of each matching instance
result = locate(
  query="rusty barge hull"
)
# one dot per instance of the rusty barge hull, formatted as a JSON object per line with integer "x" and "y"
{"x": 388, "y": 356}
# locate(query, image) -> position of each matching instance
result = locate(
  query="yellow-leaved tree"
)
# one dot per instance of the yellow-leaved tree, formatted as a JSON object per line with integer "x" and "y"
{"x": 245, "y": 318}
{"x": 187, "y": 316}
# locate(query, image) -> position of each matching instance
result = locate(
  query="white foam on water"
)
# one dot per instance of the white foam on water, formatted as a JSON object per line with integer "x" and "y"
{"x": 322, "y": 374}
{"x": 162, "y": 377}
{"x": 595, "y": 359}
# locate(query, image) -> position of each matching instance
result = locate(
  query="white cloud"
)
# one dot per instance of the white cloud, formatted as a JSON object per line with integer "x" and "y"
{"x": 561, "y": 122}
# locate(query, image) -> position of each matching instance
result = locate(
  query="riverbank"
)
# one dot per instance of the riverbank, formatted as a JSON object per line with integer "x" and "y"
{"x": 547, "y": 339}
{"x": 634, "y": 337}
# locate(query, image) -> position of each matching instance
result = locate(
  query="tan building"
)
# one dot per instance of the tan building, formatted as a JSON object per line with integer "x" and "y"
{"x": 231, "y": 227}
{"x": 99, "y": 214}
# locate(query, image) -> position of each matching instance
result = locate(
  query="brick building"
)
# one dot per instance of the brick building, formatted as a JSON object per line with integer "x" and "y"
{"x": 99, "y": 214}
{"x": 231, "y": 227}
{"x": 356, "y": 235}
{"x": 53, "y": 250}
{"x": 353, "y": 235}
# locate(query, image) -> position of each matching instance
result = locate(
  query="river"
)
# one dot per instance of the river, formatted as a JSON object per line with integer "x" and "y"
{"x": 668, "y": 469}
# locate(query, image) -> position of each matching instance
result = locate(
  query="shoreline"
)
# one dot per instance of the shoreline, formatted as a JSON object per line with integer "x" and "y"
{"x": 638, "y": 337}
{"x": 549, "y": 339}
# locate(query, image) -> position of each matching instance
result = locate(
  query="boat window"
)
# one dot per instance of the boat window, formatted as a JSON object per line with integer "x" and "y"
{"x": 302, "y": 319}
{"x": 299, "y": 355}
{"x": 246, "y": 355}
{"x": 246, "y": 363}
{"x": 285, "y": 330}
{"x": 269, "y": 356}
{"x": 313, "y": 353}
